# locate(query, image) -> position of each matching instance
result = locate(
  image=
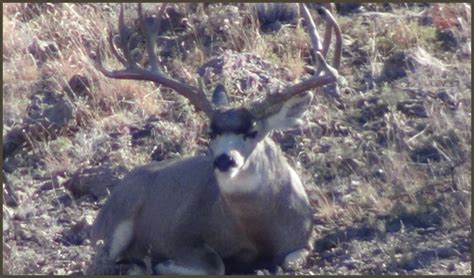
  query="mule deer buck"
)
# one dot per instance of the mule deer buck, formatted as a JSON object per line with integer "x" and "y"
{"x": 238, "y": 208}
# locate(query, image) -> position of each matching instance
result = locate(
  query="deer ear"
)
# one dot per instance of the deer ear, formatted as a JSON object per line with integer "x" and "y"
{"x": 219, "y": 97}
{"x": 291, "y": 112}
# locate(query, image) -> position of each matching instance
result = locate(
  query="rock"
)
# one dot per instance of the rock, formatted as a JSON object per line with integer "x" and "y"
{"x": 369, "y": 109}
{"x": 33, "y": 10}
{"x": 248, "y": 73}
{"x": 446, "y": 98}
{"x": 173, "y": 18}
{"x": 22, "y": 233}
{"x": 83, "y": 224}
{"x": 448, "y": 39}
{"x": 287, "y": 140}
{"x": 43, "y": 50}
{"x": 350, "y": 263}
{"x": 379, "y": 174}
{"x": 272, "y": 16}
{"x": 400, "y": 63}
{"x": 327, "y": 255}
{"x": 23, "y": 214}
{"x": 138, "y": 133}
{"x": 64, "y": 200}
{"x": 279, "y": 271}
{"x": 263, "y": 272}
{"x": 396, "y": 66}
{"x": 95, "y": 181}
{"x": 79, "y": 232}
{"x": 425, "y": 20}
{"x": 426, "y": 231}
{"x": 451, "y": 267}
{"x": 48, "y": 115}
{"x": 49, "y": 185}
{"x": 425, "y": 257}
{"x": 6, "y": 222}
{"x": 6, "y": 226}
{"x": 13, "y": 141}
{"x": 349, "y": 8}
{"x": 10, "y": 198}
{"x": 412, "y": 108}
{"x": 424, "y": 154}
{"x": 78, "y": 86}
{"x": 446, "y": 252}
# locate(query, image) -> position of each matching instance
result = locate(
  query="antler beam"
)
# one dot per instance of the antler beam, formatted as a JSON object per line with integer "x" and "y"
{"x": 132, "y": 70}
{"x": 324, "y": 74}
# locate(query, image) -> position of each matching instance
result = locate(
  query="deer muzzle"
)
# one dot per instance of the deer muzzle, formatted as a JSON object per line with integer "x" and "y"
{"x": 224, "y": 162}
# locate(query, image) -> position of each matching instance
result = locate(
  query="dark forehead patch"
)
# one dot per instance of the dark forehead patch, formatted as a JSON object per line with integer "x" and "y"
{"x": 238, "y": 121}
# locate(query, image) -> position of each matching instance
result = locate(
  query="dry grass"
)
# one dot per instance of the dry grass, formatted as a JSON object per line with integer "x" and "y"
{"x": 358, "y": 163}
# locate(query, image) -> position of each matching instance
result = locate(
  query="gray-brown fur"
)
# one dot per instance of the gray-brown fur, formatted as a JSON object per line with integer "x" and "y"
{"x": 179, "y": 212}
{"x": 234, "y": 120}
{"x": 240, "y": 207}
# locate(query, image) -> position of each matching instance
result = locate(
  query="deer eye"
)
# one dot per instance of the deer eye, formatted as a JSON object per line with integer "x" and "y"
{"x": 251, "y": 134}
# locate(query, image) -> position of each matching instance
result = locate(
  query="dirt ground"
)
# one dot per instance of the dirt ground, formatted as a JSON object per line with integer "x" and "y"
{"x": 386, "y": 159}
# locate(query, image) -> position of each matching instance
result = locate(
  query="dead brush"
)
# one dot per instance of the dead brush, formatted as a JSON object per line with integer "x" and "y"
{"x": 413, "y": 186}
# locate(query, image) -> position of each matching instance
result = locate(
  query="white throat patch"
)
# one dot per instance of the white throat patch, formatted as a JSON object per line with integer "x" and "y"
{"x": 243, "y": 177}
{"x": 237, "y": 183}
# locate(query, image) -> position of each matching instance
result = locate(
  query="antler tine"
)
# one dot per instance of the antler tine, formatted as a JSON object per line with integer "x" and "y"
{"x": 133, "y": 71}
{"x": 327, "y": 35}
{"x": 323, "y": 75}
{"x": 312, "y": 31}
{"x": 151, "y": 30}
{"x": 330, "y": 24}
{"x": 114, "y": 49}
{"x": 124, "y": 40}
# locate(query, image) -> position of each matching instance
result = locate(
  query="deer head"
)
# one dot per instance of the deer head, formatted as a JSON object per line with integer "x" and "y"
{"x": 235, "y": 131}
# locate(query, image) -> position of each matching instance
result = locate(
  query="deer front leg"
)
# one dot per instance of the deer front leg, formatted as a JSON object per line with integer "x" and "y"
{"x": 201, "y": 260}
{"x": 295, "y": 260}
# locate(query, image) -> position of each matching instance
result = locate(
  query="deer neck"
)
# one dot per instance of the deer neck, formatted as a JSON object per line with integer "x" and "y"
{"x": 258, "y": 183}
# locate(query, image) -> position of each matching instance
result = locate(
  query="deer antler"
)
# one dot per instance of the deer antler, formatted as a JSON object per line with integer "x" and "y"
{"x": 324, "y": 74}
{"x": 154, "y": 73}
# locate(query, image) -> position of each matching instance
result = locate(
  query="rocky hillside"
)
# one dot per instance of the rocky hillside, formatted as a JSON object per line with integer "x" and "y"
{"x": 386, "y": 159}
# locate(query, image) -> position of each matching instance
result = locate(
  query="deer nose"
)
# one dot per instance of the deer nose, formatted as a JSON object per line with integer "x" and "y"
{"x": 223, "y": 162}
